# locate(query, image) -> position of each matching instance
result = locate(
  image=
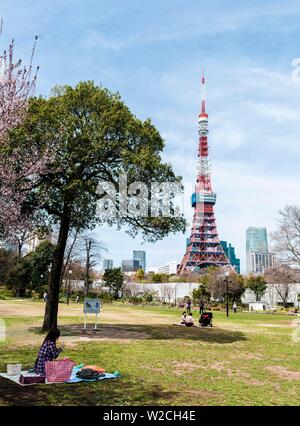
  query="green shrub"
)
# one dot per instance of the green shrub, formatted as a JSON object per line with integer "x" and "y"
{"x": 148, "y": 297}
{"x": 35, "y": 296}
{"x": 106, "y": 297}
{"x": 136, "y": 300}
{"x": 5, "y": 293}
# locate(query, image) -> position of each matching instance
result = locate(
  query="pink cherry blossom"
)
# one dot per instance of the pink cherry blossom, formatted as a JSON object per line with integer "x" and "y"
{"x": 17, "y": 84}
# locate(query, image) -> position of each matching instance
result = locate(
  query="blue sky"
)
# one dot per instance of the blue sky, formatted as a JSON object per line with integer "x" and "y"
{"x": 153, "y": 53}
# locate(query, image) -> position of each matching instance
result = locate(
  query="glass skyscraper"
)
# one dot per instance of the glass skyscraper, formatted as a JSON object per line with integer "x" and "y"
{"x": 230, "y": 253}
{"x": 141, "y": 257}
{"x": 130, "y": 265}
{"x": 108, "y": 264}
{"x": 256, "y": 239}
{"x": 258, "y": 258}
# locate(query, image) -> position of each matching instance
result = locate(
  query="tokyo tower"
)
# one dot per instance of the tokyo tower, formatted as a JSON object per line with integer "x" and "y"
{"x": 203, "y": 248}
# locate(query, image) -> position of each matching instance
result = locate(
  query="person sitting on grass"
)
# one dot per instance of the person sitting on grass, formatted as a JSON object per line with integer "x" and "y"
{"x": 189, "y": 320}
{"x": 183, "y": 318}
{"x": 48, "y": 351}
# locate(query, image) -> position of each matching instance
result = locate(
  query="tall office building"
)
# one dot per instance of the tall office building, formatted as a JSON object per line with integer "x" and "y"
{"x": 231, "y": 256}
{"x": 258, "y": 262}
{"x": 130, "y": 265}
{"x": 256, "y": 239}
{"x": 258, "y": 258}
{"x": 141, "y": 257}
{"x": 108, "y": 264}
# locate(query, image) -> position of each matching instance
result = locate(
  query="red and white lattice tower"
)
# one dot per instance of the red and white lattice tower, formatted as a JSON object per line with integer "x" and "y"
{"x": 203, "y": 248}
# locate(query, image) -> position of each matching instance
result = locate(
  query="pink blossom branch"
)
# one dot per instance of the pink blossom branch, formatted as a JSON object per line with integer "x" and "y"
{"x": 17, "y": 169}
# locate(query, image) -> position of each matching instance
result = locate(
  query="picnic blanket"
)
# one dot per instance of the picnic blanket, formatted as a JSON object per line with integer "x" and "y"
{"x": 73, "y": 378}
{"x": 183, "y": 325}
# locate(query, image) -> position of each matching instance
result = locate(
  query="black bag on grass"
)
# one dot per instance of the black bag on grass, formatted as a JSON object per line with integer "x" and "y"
{"x": 88, "y": 374}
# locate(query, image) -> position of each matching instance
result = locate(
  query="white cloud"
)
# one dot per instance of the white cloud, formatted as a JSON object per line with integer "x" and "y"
{"x": 227, "y": 133}
{"x": 280, "y": 113}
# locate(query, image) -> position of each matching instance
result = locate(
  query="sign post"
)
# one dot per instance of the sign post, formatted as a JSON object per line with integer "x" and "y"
{"x": 91, "y": 306}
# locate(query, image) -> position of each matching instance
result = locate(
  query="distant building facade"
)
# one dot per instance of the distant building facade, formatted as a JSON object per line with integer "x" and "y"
{"x": 258, "y": 262}
{"x": 140, "y": 256}
{"x": 168, "y": 268}
{"x": 256, "y": 239}
{"x": 107, "y": 264}
{"x": 258, "y": 257}
{"x": 152, "y": 270}
{"x": 231, "y": 256}
{"x": 35, "y": 240}
{"x": 130, "y": 265}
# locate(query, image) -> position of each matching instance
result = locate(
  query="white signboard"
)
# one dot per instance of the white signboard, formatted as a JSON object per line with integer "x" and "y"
{"x": 91, "y": 306}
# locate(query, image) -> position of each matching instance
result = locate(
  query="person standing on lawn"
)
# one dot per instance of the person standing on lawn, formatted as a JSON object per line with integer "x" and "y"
{"x": 48, "y": 351}
{"x": 234, "y": 307}
{"x": 201, "y": 307}
{"x": 188, "y": 307}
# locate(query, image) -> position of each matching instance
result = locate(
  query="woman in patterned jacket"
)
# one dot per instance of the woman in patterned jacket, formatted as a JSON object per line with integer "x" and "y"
{"x": 48, "y": 351}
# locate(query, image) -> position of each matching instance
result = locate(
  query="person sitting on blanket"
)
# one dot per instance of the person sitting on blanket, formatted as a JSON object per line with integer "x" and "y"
{"x": 48, "y": 351}
{"x": 183, "y": 318}
{"x": 189, "y": 320}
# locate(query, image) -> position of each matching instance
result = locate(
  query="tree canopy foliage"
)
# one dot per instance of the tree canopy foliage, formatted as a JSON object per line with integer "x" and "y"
{"x": 257, "y": 284}
{"x": 113, "y": 279}
{"x": 92, "y": 137}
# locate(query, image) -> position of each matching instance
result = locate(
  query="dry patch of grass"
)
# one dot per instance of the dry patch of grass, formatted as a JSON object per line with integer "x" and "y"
{"x": 283, "y": 372}
{"x": 288, "y": 325}
{"x": 184, "y": 367}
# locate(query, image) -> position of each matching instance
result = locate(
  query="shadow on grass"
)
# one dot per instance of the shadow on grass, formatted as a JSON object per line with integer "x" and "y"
{"x": 111, "y": 392}
{"x": 157, "y": 332}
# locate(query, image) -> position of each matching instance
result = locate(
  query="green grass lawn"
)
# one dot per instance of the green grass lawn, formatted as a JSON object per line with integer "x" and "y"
{"x": 248, "y": 359}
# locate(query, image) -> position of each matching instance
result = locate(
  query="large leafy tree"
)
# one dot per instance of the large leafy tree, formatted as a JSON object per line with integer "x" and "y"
{"x": 257, "y": 284}
{"x": 19, "y": 277}
{"x": 201, "y": 293}
{"x": 113, "y": 279}
{"x": 140, "y": 274}
{"x": 93, "y": 137}
{"x": 41, "y": 260}
{"x": 236, "y": 287}
{"x": 7, "y": 262}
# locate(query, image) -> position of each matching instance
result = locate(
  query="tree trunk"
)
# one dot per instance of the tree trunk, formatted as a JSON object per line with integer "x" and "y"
{"x": 51, "y": 310}
{"x": 19, "y": 252}
{"x": 87, "y": 267}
